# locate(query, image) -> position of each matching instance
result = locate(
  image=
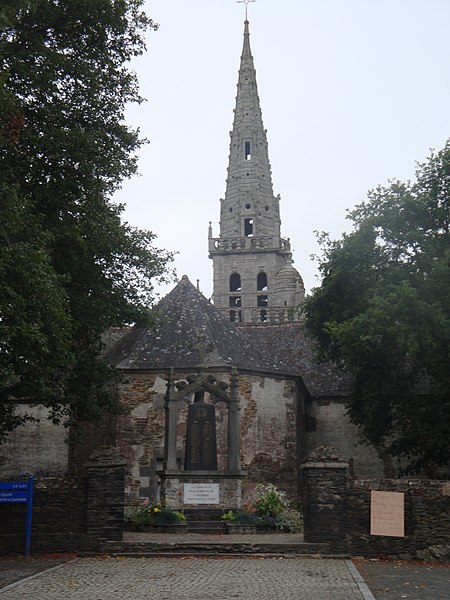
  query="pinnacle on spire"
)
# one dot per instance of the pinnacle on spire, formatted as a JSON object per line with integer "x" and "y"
{"x": 246, "y": 51}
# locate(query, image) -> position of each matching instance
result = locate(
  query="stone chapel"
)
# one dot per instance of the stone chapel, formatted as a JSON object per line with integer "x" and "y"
{"x": 225, "y": 394}
{"x": 246, "y": 355}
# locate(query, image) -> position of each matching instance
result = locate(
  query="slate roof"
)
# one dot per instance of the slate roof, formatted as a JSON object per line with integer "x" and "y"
{"x": 187, "y": 321}
{"x": 295, "y": 351}
{"x": 190, "y": 330}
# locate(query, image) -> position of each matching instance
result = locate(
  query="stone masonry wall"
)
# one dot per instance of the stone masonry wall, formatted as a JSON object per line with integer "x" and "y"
{"x": 59, "y": 517}
{"x": 328, "y": 425}
{"x": 337, "y": 512}
{"x": 427, "y": 522}
{"x": 269, "y": 416}
{"x": 38, "y": 446}
{"x": 69, "y": 514}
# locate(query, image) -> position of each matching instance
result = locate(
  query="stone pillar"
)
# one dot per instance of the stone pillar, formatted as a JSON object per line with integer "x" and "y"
{"x": 105, "y": 494}
{"x": 234, "y": 435}
{"x": 325, "y": 479}
{"x": 170, "y": 441}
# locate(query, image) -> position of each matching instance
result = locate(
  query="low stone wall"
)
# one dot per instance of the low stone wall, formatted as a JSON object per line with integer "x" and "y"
{"x": 337, "y": 512}
{"x": 427, "y": 519}
{"x": 69, "y": 514}
{"x": 59, "y": 518}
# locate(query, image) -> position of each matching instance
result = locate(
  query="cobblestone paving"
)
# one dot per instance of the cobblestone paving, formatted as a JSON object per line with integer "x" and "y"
{"x": 191, "y": 579}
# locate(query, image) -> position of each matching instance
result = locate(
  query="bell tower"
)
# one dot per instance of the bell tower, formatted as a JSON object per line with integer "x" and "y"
{"x": 254, "y": 279}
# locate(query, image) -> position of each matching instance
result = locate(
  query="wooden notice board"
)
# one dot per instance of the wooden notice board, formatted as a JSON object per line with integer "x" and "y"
{"x": 387, "y": 513}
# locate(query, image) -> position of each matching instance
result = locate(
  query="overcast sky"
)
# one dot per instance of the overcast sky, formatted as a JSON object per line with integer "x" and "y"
{"x": 353, "y": 93}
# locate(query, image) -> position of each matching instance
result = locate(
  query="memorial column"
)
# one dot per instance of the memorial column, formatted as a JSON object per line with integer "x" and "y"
{"x": 234, "y": 436}
{"x": 170, "y": 442}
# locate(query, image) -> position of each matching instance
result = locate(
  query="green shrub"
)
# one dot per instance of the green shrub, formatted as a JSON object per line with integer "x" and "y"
{"x": 268, "y": 509}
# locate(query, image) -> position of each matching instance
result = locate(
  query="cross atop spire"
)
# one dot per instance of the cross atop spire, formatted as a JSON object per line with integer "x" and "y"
{"x": 246, "y": 2}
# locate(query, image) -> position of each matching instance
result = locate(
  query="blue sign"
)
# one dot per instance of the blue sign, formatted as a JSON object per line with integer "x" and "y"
{"x": 12, "y": 492}
{"x": 11, "y": 497}
{"x": 13, "y": 485}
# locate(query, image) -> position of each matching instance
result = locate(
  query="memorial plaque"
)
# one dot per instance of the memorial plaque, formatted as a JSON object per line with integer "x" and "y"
{"x": 201, "y": 447}
{"x": 387, "y": 513}
{"x": 201, "y": 493}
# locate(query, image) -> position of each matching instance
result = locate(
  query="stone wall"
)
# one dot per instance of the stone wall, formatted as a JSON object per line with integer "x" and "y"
{"x": 328, "y": 425}
{"x": 38, "y": 446}
{"x": 69, "y": 513}
{"x": 427, "y": 522}
{"x": 59, "y": 517}
{"x": 269, "y": 428}
{"x": 337, "y": 512}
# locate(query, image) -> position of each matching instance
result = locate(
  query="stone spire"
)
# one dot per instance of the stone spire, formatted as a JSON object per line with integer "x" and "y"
{"x": 250, "y": 251}
{"x": 249, "y": 202}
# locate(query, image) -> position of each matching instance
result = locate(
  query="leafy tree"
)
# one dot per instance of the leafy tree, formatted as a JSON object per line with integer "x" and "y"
{"x": 383, "y": 313}
{"x": 69, "y": 267}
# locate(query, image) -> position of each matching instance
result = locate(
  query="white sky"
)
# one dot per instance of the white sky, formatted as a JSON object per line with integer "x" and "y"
{"x": 353, "y": 93}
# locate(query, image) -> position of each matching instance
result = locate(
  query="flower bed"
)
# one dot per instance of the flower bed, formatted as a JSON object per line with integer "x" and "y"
{"x": 268, "y": 511}
{"x": 151, "y": 516}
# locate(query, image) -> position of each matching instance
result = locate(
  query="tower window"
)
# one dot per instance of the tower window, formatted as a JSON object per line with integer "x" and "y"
{"x": 235, "y": 301}
{"x": 248, "y": 227}
{"x": 261, "y": 282}
{"x": 248, "y": 154}
{"x": 263, "y": 316}
{"x": 263, "y": 300}
{"x": 235, "y": 282}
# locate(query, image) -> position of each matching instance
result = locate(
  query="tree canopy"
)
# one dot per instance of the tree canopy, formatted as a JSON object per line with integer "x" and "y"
{"x": 69, "y": 267}
{"x": 383, "y": 313}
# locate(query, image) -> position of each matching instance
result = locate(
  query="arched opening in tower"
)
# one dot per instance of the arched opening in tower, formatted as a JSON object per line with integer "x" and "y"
{"x": 248, "y": 227}
{"x": 261, "y": 281}
{"x": 235, "y": 282}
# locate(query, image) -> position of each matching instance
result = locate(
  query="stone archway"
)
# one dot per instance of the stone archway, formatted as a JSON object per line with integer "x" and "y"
{"x": 201, "y": 470}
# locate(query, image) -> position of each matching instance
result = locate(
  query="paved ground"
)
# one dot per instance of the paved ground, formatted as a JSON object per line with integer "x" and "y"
{"x": 393, "y": 580}
{"x": 15, "y": 568}
{"x": 55, "y": 577}
{"x": 192, "y": 578}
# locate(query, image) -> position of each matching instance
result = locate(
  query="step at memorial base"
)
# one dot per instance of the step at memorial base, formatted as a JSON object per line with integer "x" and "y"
{"x": 205, "y": 521}
{"x": 207, "y": 527}
{"x": 213, "y": 548}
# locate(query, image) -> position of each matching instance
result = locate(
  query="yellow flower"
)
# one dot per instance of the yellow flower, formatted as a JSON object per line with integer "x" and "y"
{"x": 156, "y": 509}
